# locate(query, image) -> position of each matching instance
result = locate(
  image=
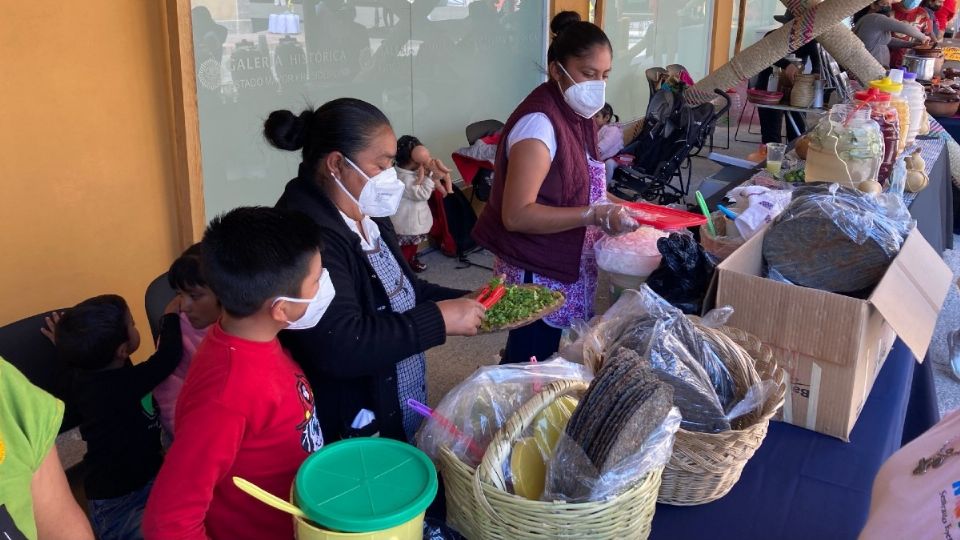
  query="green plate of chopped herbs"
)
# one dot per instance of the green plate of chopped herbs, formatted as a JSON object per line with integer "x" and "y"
{"x": 513, "y": 306}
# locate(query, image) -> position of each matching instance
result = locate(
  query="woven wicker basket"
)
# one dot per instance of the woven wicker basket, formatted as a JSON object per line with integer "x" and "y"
{"x": 705, "y": 466}
{"x": 481, "y": 511}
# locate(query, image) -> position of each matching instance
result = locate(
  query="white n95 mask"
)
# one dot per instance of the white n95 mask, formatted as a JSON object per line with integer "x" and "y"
{"x": 585, "y": 98}
{"x": 317, "y": 305}
{"x": 380, "y": 196}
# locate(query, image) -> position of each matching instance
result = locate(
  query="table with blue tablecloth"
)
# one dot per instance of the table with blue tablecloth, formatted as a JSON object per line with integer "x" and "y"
{"x": 804, "y": 485}
{"x": 952, "y": 126}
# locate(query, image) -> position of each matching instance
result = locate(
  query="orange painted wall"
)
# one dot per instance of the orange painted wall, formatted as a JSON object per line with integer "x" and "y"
{"x": 86, "y": 189}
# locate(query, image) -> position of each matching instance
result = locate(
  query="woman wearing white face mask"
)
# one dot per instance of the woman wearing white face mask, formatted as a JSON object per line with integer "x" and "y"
{"x": 364, "y": 358}
{"x": 549, "y": 203}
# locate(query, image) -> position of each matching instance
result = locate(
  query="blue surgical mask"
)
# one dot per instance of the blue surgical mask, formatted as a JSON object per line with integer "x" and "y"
{"x": 910, "y": 4}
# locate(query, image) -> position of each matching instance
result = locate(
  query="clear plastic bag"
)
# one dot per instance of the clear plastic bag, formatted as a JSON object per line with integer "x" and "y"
{"x": 525, "y": 468}
{"x": 755, "y": 397}
{"x": 800, "y": 233}
{"x": 631, "y": 254}
{"x": 882, "y": 218}
{"x": 717, "y": 317}
{"x": 469, "y": 416}
{"x": 898, "y": 178}
{"x": 644, "y": 322}
{"x": 572, "y": 477}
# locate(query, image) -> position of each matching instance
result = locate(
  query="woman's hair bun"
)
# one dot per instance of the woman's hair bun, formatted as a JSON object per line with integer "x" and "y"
{"x": 285, "y": 130}
{"x": 562, "y": 21}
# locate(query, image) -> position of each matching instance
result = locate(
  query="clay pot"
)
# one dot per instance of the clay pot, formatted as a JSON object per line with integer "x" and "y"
{"x": 941, "y": 105}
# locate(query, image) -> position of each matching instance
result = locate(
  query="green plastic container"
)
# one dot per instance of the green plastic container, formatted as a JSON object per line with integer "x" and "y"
{"x": 365, "y": 485}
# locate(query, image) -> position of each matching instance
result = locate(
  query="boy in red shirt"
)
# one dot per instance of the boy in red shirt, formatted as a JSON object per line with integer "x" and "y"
{"x": 246, "y": 409}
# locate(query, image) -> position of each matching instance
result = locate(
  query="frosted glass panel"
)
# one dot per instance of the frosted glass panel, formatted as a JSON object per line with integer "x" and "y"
{"x": 432, "y": 66}
{"x": 757, "y": 23}
{"x": 653, "y": 33}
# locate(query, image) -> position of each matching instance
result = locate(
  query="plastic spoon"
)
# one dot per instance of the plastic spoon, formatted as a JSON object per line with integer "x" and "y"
{"x": 267, "y": 498}
{"x": 706, "y": 213}
{"x": 451, "y": 428}
{"x": 727, "y": 212}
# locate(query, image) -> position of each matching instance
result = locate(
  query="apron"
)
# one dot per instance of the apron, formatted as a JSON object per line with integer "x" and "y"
{"x": 580, "y": 294}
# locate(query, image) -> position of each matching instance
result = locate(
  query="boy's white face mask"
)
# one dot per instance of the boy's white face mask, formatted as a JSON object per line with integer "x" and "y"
{"x": 317, "y": 305}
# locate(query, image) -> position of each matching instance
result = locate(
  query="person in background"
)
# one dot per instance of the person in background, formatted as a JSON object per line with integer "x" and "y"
{"x": 609, "y": 134}
{"x": 199, "y": 309}
{"x": 366, "y": 357}
{"x": 420, "y": 177}
{"x": 118, "y": 419}
{"x": 772, "y": 121}
{"x": 609, "y": 138}
{"x": 246, "y": 409}
{"x": 35, "y": 498}
{"x": 914, "y": 499}
{"x": 875, "y": 27}
{"x": 946, "y": 16}
{"x": 549, "y": 205}
{"x": 920, "y": 15}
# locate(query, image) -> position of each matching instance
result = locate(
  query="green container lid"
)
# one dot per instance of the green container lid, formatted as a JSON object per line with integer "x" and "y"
{"x": 365, "y": 484}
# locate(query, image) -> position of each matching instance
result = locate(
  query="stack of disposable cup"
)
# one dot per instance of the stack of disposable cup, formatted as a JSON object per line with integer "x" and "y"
{"x": 914, "y": 93}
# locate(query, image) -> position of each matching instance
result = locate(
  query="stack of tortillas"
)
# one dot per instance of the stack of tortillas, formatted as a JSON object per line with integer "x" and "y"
{"x": 623, "y": 405}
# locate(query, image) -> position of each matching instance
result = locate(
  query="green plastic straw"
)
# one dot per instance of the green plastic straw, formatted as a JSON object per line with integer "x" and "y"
{"x": 706, "y": 213}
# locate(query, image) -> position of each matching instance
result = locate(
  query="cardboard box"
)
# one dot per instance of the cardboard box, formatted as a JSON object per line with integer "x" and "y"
{"x": 832, "y": 346}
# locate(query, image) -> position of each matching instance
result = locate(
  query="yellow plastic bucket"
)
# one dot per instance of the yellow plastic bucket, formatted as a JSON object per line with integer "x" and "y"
{"x": 364, "y": 488}
{"x": 411, "y": 530}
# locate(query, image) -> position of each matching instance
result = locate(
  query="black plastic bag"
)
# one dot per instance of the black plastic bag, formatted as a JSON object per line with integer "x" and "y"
{"x": 684, "y": 273}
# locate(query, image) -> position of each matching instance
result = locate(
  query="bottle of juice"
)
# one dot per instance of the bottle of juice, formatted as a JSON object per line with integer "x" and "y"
{"x": 893, "y": 85}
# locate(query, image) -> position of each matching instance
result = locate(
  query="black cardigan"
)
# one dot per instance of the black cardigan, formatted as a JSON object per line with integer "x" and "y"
{"x": 350, "y": 357}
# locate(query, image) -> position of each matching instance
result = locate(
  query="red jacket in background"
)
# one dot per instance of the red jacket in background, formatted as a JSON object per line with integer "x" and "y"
{"x": 919, "y": 17}
{"x": 945, "y": 13}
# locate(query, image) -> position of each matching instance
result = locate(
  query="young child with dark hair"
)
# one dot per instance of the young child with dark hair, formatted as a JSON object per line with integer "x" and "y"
{"x": 421, "y": 175}
{"x": 610, "y": 134}
{"x": 246, "y": 409}
{"x": 609, "y": 138}
{"x": 199, "y": 309}
{"x": 118, "y": 418}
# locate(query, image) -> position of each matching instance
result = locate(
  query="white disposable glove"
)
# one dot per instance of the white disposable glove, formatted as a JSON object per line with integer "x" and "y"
{"x": 613, "y": 219}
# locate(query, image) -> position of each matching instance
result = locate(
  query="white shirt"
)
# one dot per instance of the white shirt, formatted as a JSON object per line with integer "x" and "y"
{"x": 370, "y": 228}
{"x": 533, "y": 126}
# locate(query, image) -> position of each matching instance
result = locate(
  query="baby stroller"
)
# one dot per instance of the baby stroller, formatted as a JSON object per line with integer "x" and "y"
{"x": 673, "y": 132}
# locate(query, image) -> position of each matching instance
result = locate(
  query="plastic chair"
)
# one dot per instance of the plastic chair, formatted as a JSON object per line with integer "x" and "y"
{"x": 22, "y": 344}
{"x": 158, "y": 295}
{"x": 481, "y": 129}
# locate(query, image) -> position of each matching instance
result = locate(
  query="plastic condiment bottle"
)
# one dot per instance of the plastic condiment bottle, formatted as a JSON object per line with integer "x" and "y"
{"x": 916, "y": 96}
{"x": 883, "y": 113}
{"x": 894, "y": 88}
{"x": 773, "y": 83}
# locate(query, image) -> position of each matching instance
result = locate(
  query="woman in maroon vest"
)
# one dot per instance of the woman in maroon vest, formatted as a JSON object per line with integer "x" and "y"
{"x": 549, "y": 204}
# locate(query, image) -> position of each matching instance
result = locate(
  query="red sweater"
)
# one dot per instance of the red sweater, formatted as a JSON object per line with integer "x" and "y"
{"x": 245, "y": 410}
